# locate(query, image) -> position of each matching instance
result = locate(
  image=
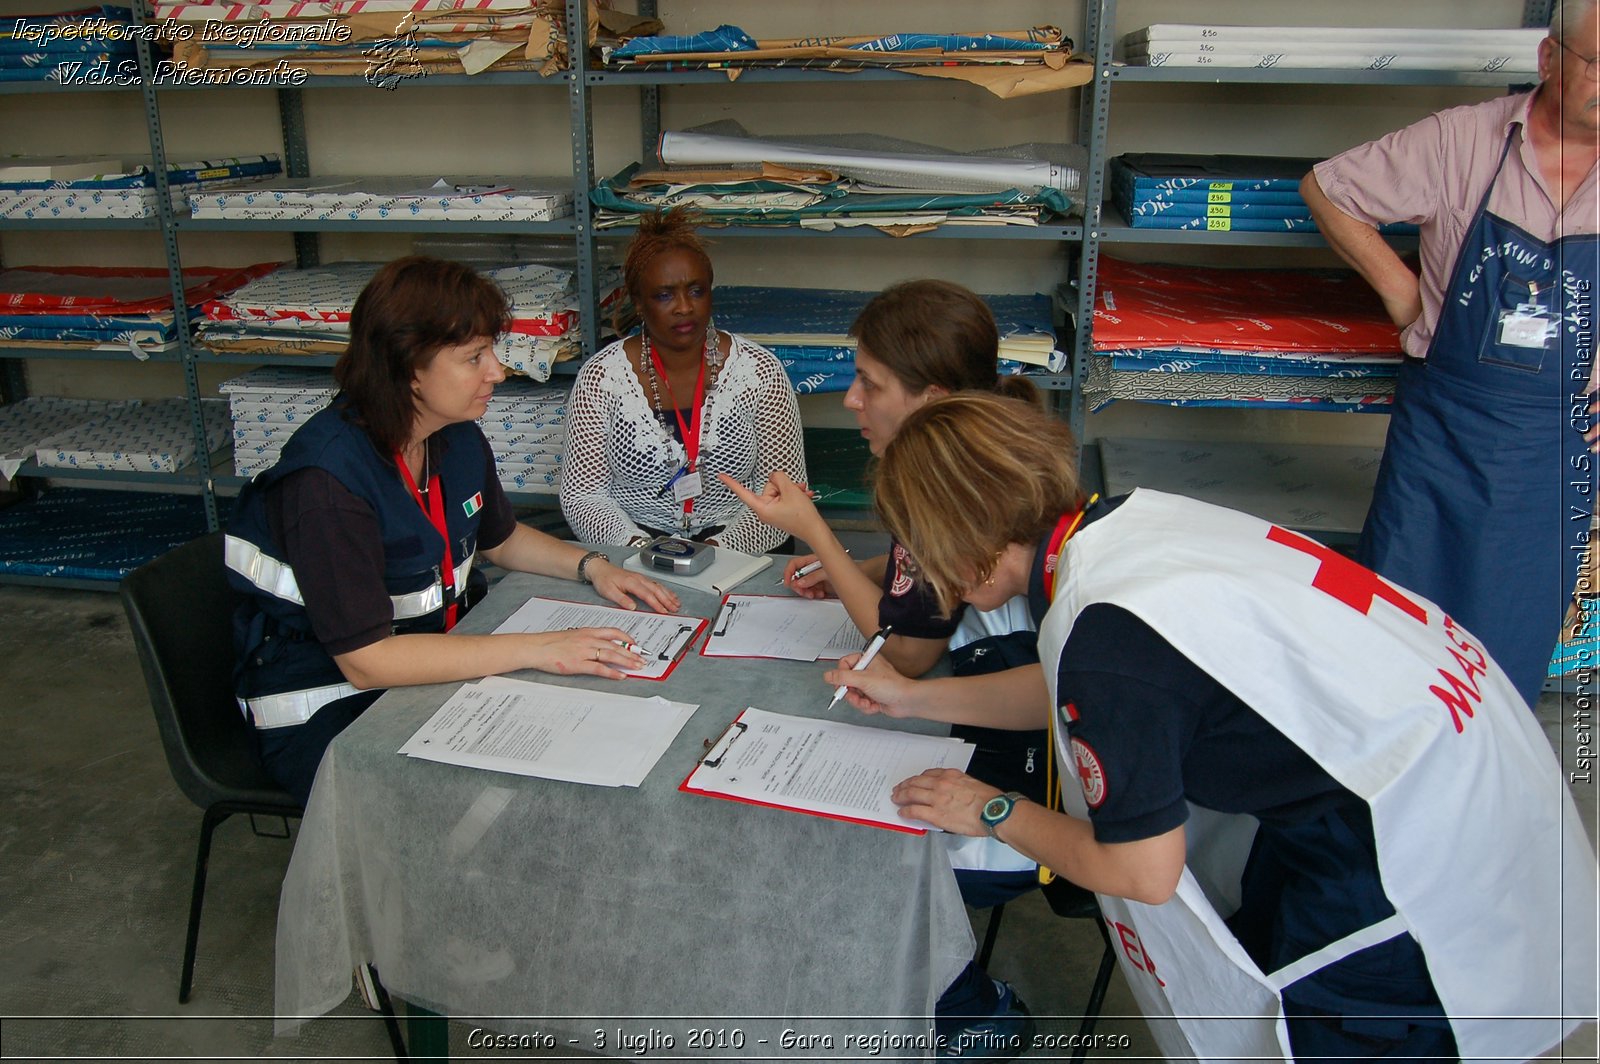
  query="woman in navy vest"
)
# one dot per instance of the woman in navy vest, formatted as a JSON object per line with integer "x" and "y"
{"x": 357, "y": 551}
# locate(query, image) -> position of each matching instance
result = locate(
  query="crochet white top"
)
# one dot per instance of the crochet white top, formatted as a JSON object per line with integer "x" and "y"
{"x": 620, "y": 456}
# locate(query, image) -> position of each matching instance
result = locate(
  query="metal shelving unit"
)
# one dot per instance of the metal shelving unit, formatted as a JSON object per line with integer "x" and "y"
{"x": 1063, "y": 388}
{"x": 194, "y": 478}
{"x": 578, "y": 83}
{"x": 1105, "y": 226}
{"x": 1307, "y": 76}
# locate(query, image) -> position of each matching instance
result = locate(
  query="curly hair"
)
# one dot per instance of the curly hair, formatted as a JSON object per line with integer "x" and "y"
{"x": 659, "y": 232}
{"x": 969, "y": 474}
{"x": 411, "y": 309}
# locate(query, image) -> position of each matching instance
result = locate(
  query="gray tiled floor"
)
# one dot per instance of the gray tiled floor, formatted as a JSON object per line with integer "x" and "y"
{"x": 97, "y": 846}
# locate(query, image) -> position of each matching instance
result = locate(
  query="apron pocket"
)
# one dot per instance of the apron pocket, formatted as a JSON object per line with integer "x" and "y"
{"x": 1520, "y": 326}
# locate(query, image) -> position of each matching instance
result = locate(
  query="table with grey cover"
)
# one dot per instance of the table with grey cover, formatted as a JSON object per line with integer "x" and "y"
{"x": 593, "y": 916}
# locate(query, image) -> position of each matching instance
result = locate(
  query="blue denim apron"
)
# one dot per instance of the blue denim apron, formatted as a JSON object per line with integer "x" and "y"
{"x": 1484, "y": 497}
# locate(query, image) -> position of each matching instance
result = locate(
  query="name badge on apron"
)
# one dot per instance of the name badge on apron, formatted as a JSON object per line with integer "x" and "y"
{"x": 1530, "y": 325}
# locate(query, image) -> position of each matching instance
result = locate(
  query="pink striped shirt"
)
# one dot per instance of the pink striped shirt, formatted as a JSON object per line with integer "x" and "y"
{"x": 1434, "y": 173}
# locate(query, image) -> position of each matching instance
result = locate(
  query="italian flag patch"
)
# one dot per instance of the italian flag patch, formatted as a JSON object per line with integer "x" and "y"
{"x": 474, "y": 504}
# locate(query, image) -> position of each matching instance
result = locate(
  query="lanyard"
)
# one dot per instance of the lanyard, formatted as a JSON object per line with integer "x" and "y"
{"x": 1058, "y": 539}
{"x": 433, "y": 507}
{"x": 1052, "y": 563}
{"x": 689, "y": 430}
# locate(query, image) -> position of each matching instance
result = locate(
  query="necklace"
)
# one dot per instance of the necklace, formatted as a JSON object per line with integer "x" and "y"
{"x": 647, "y": 367}
{"x": 422, "y": 488}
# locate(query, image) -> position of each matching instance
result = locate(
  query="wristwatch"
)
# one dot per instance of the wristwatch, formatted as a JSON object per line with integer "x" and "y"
{"x": 997, "y": 809}
{"x": 583, "y": 565}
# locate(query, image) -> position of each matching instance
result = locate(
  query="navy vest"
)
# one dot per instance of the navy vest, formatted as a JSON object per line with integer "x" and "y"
{"x": 276, "y": 650}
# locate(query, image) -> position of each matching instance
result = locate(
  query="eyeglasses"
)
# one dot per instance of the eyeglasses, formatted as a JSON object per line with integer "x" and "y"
{"x": 1589, "y": 61}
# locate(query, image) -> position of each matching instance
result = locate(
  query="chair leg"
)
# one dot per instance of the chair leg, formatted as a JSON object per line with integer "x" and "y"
{"x": 1097, "y": 994}
{"x": 391, "y": 1022}
{"x": 208, "y": 824}
{"x": 990, "y": 934}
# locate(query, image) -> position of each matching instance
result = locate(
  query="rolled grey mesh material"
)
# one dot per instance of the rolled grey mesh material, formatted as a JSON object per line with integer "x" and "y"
{"x": 874, "y": 159}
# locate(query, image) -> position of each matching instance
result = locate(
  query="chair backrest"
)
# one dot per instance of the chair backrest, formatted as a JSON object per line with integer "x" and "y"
{"x": 181, "y": 611}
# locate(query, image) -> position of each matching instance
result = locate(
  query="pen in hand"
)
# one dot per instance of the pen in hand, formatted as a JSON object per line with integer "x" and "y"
{"x": 807, "y": 569}
{"x": 862, "y": 662}
{"x": 804, "y": 570}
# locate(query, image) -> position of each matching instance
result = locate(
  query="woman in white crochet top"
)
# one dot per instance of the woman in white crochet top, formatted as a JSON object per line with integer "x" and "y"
{"x": 655, "y": 417}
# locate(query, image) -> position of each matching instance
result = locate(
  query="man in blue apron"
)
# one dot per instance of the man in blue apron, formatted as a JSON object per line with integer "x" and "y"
{"x": 1487, "y": 488}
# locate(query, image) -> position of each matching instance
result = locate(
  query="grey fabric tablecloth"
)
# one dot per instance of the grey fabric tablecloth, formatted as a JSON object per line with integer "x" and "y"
{"x": 555, "y": 909}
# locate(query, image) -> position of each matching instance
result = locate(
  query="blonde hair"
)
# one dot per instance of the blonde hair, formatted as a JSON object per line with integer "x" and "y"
{"x": 966, "y": 476}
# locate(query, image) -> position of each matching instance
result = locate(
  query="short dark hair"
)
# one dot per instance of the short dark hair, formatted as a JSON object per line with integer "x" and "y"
{"x": 659, "y": 232}
{"x": 410, "y": 309}
{"x": 932, "y": 333}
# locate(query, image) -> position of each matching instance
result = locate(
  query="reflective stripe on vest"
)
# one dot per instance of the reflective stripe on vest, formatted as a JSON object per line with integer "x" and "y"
{"x": 277, "y": 579}
{"x": 292, "y": 707}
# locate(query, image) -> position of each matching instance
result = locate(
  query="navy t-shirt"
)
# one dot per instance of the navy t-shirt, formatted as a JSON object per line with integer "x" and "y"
{"x": 1164, "y": 732}
{"x": 1159, "y": 731}
{"x": 1155, "y": 732}
{"x": 908, "y": 603}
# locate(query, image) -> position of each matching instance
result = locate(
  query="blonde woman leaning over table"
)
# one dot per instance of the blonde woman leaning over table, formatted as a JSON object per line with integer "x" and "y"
{"x": 355, "y": 552}
{"x": 657, "y": 418}
{"x": 1243, "y": 709}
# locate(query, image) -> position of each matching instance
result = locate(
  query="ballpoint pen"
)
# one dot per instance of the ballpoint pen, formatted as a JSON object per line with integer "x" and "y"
{"x": 862, "y": 662}
{"x": 807, "y": 569}
{"x": 804, "y": 570}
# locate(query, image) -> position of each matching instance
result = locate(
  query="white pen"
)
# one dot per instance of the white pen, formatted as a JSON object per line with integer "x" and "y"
{"x": 807, "y": 569}
{"x": 862, "y": 662}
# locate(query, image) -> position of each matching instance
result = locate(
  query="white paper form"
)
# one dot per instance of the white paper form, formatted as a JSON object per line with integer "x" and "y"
{"x": 823, "y": 767}
{"x": 556, "y": 733}
{"x": 662, "y": 636}
{"x": 777, "y": 626}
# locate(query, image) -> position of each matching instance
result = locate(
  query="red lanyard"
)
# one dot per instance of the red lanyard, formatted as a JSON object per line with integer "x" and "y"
{"x": 1052, "y": 564}
{"x": 433, "y": 507}
{"x": 1058, "y": 540}
{"x": 690, "y": 430}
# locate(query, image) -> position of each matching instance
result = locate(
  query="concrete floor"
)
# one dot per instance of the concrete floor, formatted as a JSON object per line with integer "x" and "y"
{"x": 97, "y": 851}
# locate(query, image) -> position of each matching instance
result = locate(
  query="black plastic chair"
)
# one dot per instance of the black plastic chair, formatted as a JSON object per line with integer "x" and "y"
{"x": 1068, "y": 900}
{"x": 180, "y": 608}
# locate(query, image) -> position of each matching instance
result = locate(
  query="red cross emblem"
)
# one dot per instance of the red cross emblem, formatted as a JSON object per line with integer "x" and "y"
{"x": 1354, "y": 585}
{"x": 1090, "y": 774}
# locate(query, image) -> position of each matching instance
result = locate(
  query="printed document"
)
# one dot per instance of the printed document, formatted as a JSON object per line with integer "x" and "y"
{"x": 662, "y": 637}
{"x": 555, "y": 733}
{"x": 823, "y": 767}
{"x": 779, "y": 626}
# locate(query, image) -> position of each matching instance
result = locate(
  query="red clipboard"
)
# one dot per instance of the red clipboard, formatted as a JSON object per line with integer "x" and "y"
{"x": 700, "y": 624}
{"x": 719, "y": 750}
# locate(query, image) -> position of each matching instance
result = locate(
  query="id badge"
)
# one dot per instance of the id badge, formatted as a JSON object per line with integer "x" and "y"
{"x": 686, "y": 487}
{"x": 1528, "y": 326}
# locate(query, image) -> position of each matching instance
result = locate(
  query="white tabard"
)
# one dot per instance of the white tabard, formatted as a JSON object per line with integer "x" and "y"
{"x": 1480, "y": 849}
